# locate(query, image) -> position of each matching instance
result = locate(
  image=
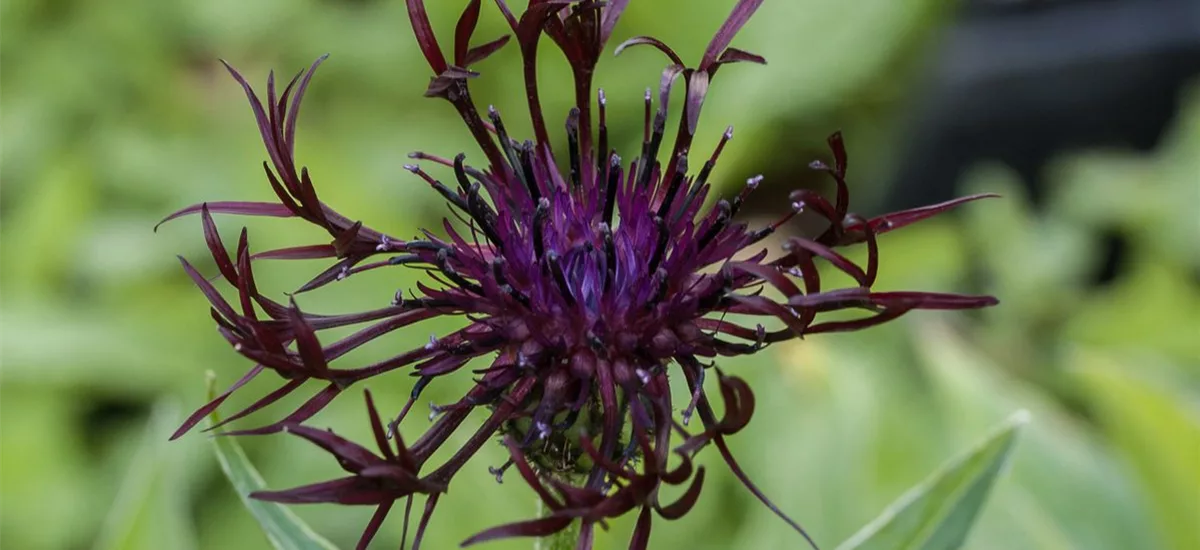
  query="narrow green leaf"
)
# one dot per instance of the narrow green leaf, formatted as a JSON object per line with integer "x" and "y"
{"x": 938, "y": 513}
{"x": 283, "y": 528}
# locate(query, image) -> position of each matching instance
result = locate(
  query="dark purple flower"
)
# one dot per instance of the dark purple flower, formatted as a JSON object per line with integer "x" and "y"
{"x": 586, "y": 279}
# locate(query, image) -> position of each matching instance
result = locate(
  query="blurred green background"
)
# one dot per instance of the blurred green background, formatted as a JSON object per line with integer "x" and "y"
{"x": 117, "y": 113}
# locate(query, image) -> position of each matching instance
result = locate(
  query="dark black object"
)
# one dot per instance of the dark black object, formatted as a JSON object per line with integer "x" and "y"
{"x": 1019, "y": 82}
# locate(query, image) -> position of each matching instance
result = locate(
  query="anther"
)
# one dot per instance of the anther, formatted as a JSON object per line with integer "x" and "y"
{"x": 539, "y": 218}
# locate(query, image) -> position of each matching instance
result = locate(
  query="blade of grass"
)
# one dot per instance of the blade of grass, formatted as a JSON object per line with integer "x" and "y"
{"x": 938, "y": 513}
{"x": 283, "y": 528}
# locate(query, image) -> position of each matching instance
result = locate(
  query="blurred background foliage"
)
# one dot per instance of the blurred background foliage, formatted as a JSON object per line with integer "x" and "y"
{"x": 117, "y": 113}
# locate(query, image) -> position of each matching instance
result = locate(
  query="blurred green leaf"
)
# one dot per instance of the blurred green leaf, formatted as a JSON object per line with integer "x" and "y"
{"x": 150, "y": 509}
{"x": 283, "y": 528}
{"x": 1071, "y": 474}
{"x": 938, "y": 513}
{"x": 1159, "y": 435}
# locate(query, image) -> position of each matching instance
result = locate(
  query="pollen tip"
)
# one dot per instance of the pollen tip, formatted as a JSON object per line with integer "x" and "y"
{"x": 411, "y": 168}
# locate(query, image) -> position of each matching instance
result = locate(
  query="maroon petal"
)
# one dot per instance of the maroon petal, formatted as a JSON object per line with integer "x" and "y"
{"x": 739, "y": 404}
{"x": 214, "y": 297}
{"x": 734, "y": 55}
{"x": 377, "y": 428}
{"x": 650, "y": 41}
{"x": 373, "y": 526}
{"x": 304, "y": 412}
{"x": 352, "y": 456}
{"x": 268, "y": 209}
{"x": 750, "y": 486}
{"x": 641, "y": 532}
{"x": 737, "y": 18}
{"x": 841, "y": 262}
{"x": 212, "y": 237}
{"x": 348, "y": 490}
{"x": 896, "y": 220}
{"x": 430, "y": 504}
{"x": 766, "y": 306}
{"x": 260, "y": 116}
{"x": 307, "y": 252}
{"x": 479, "y": 53}
{"x": 307, "y": 343}
{"x": 697, "y": 90}
{"x": 528, "y": 474}
{"x": 769, "y": 274}
{"x": 685, "y": 502}
{"x": 612, "y": 14}
{"x": 332, "y": 273}
{"x": 931, "y": 300}
{"x": 266, "y": 400}
{"x": 289, "y": 135}
{"x": 216, "y": 402}
{"x": 542, "y": 527}
{"x": 425, "y": 37}
{"x": 463, "y": 31}
{"x": 858, "y": 324}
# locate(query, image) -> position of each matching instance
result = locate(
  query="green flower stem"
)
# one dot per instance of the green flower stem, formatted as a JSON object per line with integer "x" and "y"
{"x": 562, "y": 540}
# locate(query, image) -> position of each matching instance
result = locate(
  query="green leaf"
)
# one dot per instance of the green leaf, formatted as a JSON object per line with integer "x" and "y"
{"x": 1150, "y": 421}
{"x": 937, "y": 514}
{"x": 283, "y": 528}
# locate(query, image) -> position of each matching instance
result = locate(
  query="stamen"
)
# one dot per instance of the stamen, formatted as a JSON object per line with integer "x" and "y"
{"x": 610, "y": 193}
{"x": 706, "y": 170}
{"x": 404, "y": 260}
{"x": 539, "y": 217}
{"x": 646, "y": 118}
{"x": 505, "y": 142}
{"x": 499, "y": 472}
{"x": 702, "y": 177}
{"x": 697, "y": 392}
{"x": 526, "y": 156}
{"x": 443, "y": 264}
{"x": 573, "y": 145}
{"x": 498, "y": 264}
{"x": 602, "y": 131}
{"x": 660, "y": 288}
{"x": 442, "y": 190}
{"x": 751, "y": 185}
{"x": 560, "y": 278}
{"x": 676, "y": 182}
{"x": 660, "y": 247}
{"x": 724, "y": 214}
{"x": 394, "y": 425}
{"x": 650, "y": 153}
{"x": 610, "y": 256}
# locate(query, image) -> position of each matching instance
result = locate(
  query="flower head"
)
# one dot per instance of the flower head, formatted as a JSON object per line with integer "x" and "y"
{"x": 592, "y": 282}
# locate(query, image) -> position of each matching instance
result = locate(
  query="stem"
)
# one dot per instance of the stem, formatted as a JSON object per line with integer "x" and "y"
{"x": 562, "y": 540}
